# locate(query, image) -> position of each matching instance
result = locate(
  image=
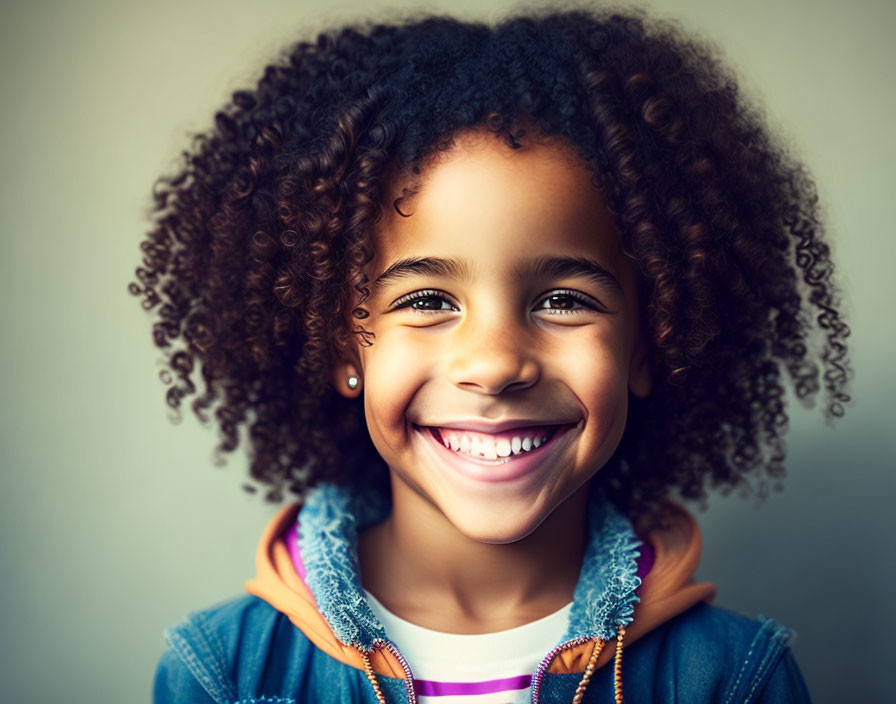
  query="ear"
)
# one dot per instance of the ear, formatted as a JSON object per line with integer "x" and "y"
{"x": 640, "y": 370}
{"x": 340, "y": 375}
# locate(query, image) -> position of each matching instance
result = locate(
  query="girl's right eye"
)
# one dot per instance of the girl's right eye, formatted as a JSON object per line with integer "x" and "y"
{"x": 428, "y": 301}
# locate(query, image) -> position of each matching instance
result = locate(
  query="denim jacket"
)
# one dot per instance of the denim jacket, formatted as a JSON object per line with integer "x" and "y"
{"x": 306, "y": 632}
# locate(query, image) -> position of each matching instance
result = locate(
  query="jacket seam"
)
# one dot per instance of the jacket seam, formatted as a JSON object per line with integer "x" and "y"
{"x": 200, "y": 670}
{"x": 760, "y": 672}
{"x": 778, "y": 639}
{"x": 266, "y": 700}
{"x": 211, "y": 636}
{"x": 760, "y": 669}
{"x": 743, "y": 668}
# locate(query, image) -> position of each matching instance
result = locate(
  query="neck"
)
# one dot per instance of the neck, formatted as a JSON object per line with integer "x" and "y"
{"x": 423, "y": 569}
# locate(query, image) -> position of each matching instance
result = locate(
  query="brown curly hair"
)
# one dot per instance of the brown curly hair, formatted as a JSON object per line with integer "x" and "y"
{"x": 260, "y": 239}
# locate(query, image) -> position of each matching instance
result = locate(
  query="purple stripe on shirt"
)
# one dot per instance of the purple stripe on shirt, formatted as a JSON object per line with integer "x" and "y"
{"x": 430, "y": 688}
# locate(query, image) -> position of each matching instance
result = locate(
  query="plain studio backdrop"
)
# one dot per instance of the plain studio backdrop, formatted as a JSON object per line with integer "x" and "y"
{"x": 115, "y": 522}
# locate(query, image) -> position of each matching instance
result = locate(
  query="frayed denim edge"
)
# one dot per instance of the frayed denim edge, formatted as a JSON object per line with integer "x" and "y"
{"x": 328, "y": 541}
{"x": 605, "y": 596}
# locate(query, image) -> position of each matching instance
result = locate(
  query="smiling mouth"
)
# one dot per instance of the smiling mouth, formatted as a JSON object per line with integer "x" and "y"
{"x": 499, "y": 448}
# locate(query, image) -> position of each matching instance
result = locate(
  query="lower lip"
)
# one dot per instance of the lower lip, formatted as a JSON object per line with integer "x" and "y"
{"x": 511, "y": 468}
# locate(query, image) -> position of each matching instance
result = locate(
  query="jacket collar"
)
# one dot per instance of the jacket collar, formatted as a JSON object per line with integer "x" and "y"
{"x": 282, "y": 580}
{"x": 333, "y": 515}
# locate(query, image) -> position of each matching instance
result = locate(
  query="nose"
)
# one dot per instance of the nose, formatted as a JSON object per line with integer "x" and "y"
{"x": 493, "y": 360}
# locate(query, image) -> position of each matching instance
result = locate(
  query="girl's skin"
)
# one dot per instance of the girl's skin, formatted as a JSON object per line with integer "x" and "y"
{"x": 497, "y": 341}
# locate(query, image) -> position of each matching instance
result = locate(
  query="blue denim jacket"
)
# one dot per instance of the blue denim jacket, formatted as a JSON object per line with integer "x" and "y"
{"x": 246, "y": 651}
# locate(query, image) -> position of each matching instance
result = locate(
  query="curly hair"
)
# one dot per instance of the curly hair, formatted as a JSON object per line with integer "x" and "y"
{"x": 259, "y": 240}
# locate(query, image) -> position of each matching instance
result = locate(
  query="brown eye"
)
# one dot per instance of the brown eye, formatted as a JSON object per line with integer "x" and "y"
{"x": 566, "y": 302}
{"x": 424, "y": 302}
{"x": 427, "y": 303}
{"x": 561, "y": 300}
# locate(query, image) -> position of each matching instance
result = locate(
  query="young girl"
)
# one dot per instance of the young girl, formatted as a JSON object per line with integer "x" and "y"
{"x": 485, "y": 298}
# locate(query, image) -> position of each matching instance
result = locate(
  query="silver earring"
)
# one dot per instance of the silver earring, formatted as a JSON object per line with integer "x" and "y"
{"x": 353, "y": 382}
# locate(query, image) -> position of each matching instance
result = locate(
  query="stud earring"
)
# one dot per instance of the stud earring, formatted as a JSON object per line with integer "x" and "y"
{"x": 353, "y": 382}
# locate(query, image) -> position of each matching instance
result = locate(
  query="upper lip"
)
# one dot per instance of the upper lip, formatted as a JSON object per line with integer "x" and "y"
{"x": 481, "y": 426}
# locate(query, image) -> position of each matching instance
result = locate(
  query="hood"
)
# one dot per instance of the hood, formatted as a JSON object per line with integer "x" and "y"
{"x": 307, "y": 568}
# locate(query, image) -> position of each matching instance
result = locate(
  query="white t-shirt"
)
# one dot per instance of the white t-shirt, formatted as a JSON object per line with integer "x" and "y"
{"x": 491, "y": 668}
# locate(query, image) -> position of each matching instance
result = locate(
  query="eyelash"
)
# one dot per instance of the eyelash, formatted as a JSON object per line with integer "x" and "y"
{"x": 585, "y": 301}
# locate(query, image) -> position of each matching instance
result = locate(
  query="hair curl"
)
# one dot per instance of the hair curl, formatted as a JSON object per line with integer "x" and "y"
{"x": 263, "y": 232}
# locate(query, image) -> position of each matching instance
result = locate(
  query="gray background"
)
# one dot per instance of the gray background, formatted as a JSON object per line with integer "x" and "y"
{"x": 115, "y": 523}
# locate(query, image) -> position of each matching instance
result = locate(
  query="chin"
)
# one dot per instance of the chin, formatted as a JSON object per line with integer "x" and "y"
{"x": 495, "y": 528}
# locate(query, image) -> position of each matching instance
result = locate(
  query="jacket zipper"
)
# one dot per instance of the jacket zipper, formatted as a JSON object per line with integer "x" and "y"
{"x": 546, "y": 662}
{"x": 536, "y": 679}
{"x": 408, "y": 675}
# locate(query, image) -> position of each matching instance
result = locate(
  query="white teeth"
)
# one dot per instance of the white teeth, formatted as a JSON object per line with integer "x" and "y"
{"x": 486, "y": 447}
{"x": 476, "y": 447}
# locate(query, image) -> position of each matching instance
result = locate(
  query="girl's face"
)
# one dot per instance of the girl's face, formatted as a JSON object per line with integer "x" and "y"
{"x": 506, "y": 324}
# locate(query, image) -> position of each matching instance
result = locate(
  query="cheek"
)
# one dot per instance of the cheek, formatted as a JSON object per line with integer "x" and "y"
{"x": 597, "y": 373}
{"x": 604, "y": 390}
{"x": 393, "y": 369}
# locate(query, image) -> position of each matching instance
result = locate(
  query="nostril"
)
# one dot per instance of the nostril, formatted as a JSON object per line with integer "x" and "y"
{"x": 494, "y": 373}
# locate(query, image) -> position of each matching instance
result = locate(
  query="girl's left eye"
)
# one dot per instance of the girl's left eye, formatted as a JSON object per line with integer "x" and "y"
{"x": 566, "y": 302}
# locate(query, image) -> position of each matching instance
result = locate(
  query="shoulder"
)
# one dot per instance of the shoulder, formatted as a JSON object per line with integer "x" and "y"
{"x": 223, "y": 625}
{"x": 207, "y": 650}
{"x": 729, "y": 656}
{"x": 715, "y": 625}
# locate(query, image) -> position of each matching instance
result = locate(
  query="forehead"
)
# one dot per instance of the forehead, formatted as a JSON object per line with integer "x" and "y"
{"x": 491, "y": 204}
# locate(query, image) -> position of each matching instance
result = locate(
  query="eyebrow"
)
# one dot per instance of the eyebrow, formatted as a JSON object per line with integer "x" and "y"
{"x": 572, "y": 267}
{"x": 421, "y": 266}
{"x": 545, "y": 267}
